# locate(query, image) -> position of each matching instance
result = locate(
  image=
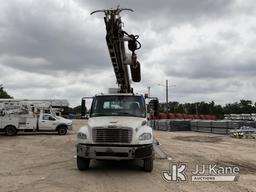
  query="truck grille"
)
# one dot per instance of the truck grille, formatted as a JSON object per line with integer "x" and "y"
{"x": 112, "y": 135}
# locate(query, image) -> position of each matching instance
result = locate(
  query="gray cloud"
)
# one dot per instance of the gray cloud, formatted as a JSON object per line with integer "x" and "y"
{"x": 211, "y": 62}
{"x": 66, "y": 41}
{"x": 182, "y": 10}
{"x": 54, "y": 48}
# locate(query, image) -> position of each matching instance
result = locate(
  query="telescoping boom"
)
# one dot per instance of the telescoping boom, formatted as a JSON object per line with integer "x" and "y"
{"x": 116, "y": 39}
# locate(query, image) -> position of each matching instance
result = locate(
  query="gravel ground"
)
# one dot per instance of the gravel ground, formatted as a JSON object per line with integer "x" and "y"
{"x": 46, "y": 162}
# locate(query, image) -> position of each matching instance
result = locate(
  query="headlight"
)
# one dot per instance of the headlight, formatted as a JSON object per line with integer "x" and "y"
{"x": 81, "y": 136}
{"x": 145, "y": 136}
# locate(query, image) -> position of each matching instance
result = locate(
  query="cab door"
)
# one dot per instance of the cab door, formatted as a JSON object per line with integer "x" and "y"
{"x": 47, "y": 122}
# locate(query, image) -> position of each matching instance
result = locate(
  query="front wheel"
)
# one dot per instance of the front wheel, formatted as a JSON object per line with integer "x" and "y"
{"x": 62, "y": 130}
{"x": 148, "y": 164}
{"x": 82, "y": 163}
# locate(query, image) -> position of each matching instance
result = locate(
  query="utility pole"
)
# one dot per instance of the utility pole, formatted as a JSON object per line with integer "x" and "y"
{"x": 149, "y": 91}
{"x": 166, "y": 84}
{"x": 166, "y": 92}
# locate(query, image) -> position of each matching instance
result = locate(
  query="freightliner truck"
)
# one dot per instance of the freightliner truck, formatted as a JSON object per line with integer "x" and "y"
{"x": 117, "y": 127}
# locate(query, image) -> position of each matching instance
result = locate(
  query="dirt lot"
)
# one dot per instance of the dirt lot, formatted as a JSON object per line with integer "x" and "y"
{"x": 46, "y": 162}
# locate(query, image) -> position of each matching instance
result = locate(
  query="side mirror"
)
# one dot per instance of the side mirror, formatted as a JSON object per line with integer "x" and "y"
{"x": 83, "y": 108}
{"x": 2, "y": 113}
{"x": 84, "y": 111}
{"x": 154, "y": 106}
{"x": 52, "y": 119}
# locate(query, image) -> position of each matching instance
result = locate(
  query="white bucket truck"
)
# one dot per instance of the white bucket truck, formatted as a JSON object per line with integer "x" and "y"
{"x": 30, "y": 116}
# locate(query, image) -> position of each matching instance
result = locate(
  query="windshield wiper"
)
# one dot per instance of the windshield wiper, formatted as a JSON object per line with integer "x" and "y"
{"x": 99, "y": 114}
{"x": 128, "y": 114}
{"x": 115, "y": 114}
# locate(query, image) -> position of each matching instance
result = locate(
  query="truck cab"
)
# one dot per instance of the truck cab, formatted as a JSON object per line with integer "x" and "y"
{"x": 116, "y": 130}
{"x": 50, "y": 122}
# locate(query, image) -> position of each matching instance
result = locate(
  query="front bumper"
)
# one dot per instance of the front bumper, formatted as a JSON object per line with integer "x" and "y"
{"x": 115, "y": 152}
{"x": 70, "y": 127}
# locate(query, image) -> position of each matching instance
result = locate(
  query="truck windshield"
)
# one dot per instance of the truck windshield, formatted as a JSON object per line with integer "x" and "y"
{"x": 113, "y": 105}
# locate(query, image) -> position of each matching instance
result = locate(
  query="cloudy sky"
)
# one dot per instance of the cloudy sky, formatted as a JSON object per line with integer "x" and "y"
{"x": 55, "y": 49}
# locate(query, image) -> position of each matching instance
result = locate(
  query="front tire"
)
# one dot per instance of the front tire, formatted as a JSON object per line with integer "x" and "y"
{"x": 10, "y": 130}
{"x": 148, "y": 164}
{"x": 82, "y": 163}
{"x": 62, "y": 130}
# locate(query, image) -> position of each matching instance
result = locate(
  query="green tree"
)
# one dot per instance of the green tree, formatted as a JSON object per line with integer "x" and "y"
{"x": 77, "y": 109}
{"x": 173, "y": 106}
{"x": 203, "y": 108}
{"x": 232, "y": 108}
{"x": 4, "y": 94}
{"x": 246, "y": 106}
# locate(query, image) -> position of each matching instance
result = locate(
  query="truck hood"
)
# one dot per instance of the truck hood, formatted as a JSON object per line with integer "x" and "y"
{"x": 118, "y": 121}
{"x": 64, "y": 120}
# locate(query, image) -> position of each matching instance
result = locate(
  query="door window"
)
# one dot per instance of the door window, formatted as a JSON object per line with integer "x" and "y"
{"x": 48, "y": 118}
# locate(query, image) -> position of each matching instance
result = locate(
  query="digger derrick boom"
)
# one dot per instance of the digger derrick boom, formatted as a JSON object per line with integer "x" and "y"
{"x": 115, "y": 38}
{"x": 115, "y": 43}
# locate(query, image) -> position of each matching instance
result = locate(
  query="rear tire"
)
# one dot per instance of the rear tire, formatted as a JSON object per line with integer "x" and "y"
{"x": 10, "y": 130}
{"x": 148, "y": 164}
{"x": 82, "y": 163}
{"x": 62, "y": 130}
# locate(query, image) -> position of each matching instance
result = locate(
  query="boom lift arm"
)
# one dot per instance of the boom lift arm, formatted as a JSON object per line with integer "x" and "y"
{"x": 115, "y": 38}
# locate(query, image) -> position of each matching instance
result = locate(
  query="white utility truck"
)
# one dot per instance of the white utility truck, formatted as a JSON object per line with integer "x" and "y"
{"x": 30, "y": 116}
{"x": 117, "y": 127}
